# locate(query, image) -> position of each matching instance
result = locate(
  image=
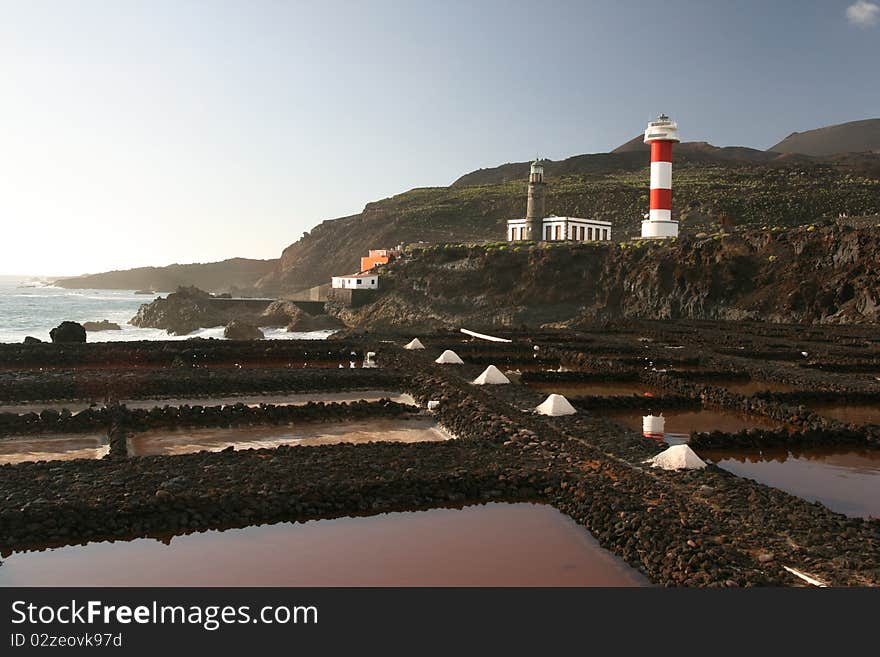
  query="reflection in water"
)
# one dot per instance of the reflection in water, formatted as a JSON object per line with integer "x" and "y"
{"x": 597, "y": 389}
{"x": 184, "y": 441}
{"x": 850, "y": 413}
{"x": 55, "y": 447}
{"x": 844, "y": 480}
{"x": 751, "y": 387}
{"x": 279, "y": 399}
{"x": 490, "y": 545}
{"x": 687, "y": 421}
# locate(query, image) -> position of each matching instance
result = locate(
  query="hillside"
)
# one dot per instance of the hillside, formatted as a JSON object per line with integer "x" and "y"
{"x": 852, "y": 137}
{"x": 234, "y": 275}
{"x": 781, "y": 191}
{"x": 811, "y": 274}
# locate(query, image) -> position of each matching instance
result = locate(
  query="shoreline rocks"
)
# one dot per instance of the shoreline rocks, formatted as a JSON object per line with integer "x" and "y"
{"x": 68, "y": 332}
{"x": 103, "y": 325}
{"x": 239, "y": 330}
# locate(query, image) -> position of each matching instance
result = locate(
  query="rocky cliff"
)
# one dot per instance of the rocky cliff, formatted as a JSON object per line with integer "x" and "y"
{"x": 741, "y": 186}
{"x": 812, "y": 274}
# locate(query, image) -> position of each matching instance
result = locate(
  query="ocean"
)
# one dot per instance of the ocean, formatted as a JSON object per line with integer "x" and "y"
{"x": 32, "y": 306}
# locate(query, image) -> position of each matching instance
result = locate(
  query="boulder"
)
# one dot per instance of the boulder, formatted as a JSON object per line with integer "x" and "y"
{"x": 239, "y": 330}
{"x": 279, "y": 313}
{"x": 103, "y": 325}
{"x": 288, "y": 314}
{"x": 68, "y": 332}
{"x": 307, "y": 322}
{"x": 180, "y": 313}
{"x": 32, "y": 340}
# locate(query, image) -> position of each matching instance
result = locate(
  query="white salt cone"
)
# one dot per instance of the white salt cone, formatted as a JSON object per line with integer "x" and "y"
{"x": 678, "y": 457}
{"x": 449, "y": 357}
{"x": 415, "y": 343}
{"x": 556, "y": 405}
{"x": 491, "y": 376}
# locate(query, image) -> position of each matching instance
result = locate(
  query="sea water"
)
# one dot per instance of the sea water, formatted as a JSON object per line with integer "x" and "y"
{"x": 32, "y": 306}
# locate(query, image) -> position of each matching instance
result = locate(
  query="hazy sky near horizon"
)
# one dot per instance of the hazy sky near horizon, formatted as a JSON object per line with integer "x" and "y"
{"x": 151, "y": 132}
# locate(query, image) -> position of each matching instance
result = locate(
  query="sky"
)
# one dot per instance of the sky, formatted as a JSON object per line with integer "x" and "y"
{"x": 140, "y": 133}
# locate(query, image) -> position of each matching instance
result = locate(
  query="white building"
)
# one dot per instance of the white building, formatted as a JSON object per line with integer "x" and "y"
{"x": 359, "y": 281}
{"x": 558, "y": 229}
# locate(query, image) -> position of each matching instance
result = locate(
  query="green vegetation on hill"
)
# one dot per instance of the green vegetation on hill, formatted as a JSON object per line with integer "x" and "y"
{"x": 790, "y": 193}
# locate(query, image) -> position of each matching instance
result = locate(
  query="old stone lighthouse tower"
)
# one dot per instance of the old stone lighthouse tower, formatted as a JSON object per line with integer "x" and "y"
{"x": 535, "y": 207}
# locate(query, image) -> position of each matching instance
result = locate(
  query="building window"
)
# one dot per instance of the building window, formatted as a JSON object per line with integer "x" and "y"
{"x": 359, "y": 281}
{"x": 590, "y": 233}
{"x": 558, "y": 231}
{"x": 547, "y": 233}
{"x": 604, "y": 233}
{"x": 372, "y": 281}
{"x": 522, "y": 232}
{"x": 582, "y": 234}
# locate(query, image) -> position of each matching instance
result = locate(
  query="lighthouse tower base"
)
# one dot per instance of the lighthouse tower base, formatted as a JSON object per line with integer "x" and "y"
{"x": 659, "y": 229}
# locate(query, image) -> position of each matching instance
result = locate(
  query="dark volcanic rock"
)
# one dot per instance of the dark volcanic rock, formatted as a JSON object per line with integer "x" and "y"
{"x": 279, "y": 313}
{"x": 180, "y": 313}
{"x": 306, "y": 322}
{"x": 103, "y": 325}
{"x": 238, "y": 330}
{"x": 68, "y": 332}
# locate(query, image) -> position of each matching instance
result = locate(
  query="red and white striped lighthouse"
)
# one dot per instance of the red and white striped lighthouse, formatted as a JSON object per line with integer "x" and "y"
{"x": 661, "y": 135}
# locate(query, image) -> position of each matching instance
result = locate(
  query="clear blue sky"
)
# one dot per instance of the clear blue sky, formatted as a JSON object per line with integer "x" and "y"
{"x": 151, "y": 132}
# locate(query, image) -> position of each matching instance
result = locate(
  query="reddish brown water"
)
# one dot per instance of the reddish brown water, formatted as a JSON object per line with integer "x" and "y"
{"x": 152, "y": 443}
{"x": 851, "y": 414}
{"x": 279, "y": 399}
{"x": 846, "y": 481}
{"x": 686, "y": 421}
{"x": 752, "y": 387}
{"x": 597, "y": 389}
{"x": 65, "y": 447}
{"x": 57, "y": 447}
{"x": 489, "y": 545}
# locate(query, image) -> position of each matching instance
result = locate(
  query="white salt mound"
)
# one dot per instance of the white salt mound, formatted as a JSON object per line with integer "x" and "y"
{"x": 677, "y": 457}
{"x": 556, "y": 405}
{"x": 449, "y": 357}
{"x": 491, "y": 376}
{"x": 415, "y": 343}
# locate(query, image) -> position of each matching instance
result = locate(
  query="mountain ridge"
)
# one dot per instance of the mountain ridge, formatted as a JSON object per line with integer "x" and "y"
{"x": 230, "y": 275}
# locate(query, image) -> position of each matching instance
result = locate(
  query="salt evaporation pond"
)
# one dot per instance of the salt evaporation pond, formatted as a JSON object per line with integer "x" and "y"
{"x": 185, "y": 441}
{"x": 690, "y": 420}
{"x": 751, "y": 387}
{"x": 66, "y": 447}
{"x": 278, "y": 399}
{"x": 54, "y": 447}
{"x": 844, "y": 480}
{"x": 850, "y": 413}
{"x": 596, "y": 388}
{"x": 488, "y": 545}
